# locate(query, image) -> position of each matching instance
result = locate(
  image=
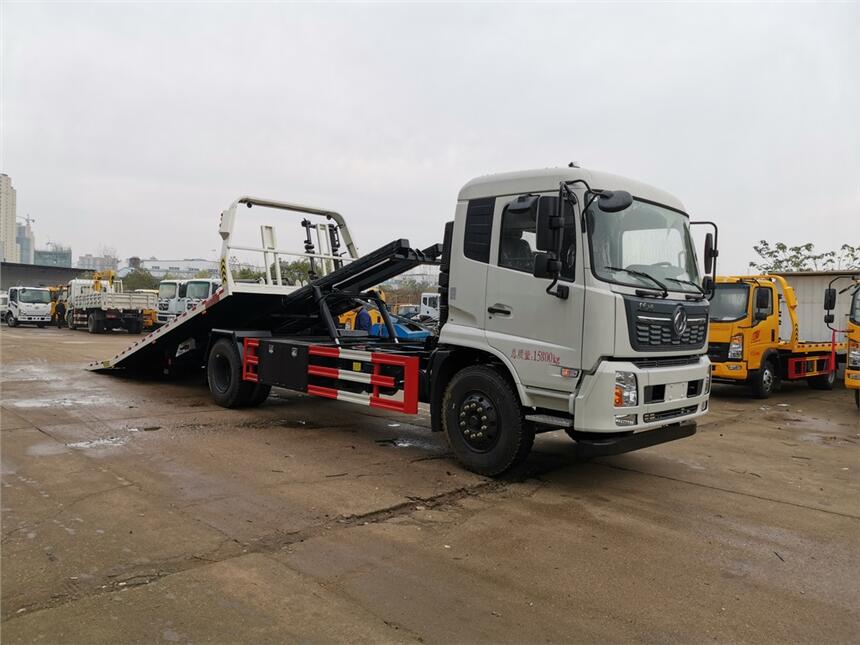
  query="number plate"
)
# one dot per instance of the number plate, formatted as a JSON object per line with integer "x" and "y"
{"x": 675, "y": 391}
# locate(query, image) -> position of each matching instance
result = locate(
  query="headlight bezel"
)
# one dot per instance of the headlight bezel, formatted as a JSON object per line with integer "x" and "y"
{"x": 736, "y": 347}
{"x": 626, "y": 391}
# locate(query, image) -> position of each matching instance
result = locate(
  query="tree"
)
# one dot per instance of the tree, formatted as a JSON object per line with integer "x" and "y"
{"x": 203, "y": 273}
{"x": 294, "y": 273}
{"x": 139, "y": 279}
{"x": 781, "y": 257}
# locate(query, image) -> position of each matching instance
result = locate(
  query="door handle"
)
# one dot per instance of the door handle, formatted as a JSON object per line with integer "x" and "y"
{"x": 499, "y": 310}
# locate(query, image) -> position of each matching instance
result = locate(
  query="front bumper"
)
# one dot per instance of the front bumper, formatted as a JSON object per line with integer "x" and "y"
{"x": 852, "y": 379}
{"x": 730, "y": 370}
{"x": 594, "y": 410}
{"x": 28, "y": 318}
{"x": 589, "y": 447}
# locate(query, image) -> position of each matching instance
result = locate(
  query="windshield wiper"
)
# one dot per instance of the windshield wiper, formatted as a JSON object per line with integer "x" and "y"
{"x": 689, "y": 282}
{"x": 643, "y": 275}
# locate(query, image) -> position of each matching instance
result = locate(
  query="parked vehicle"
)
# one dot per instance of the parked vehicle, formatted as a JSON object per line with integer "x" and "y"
{"x": 4, "y": 304}
{"x": 746, "y": 345}
{"x": 543, "y": 324}
{"x": 429, "y": 309}
{"x": 406, "y": 310}
{"x": 852, "y": 331}
{"x": 198, "y": 290}
{"x": 171, "y": 300}
{"x": 28, "y": 305}
{"x": 101, "y": 305}
{"x": 150, "y": 316}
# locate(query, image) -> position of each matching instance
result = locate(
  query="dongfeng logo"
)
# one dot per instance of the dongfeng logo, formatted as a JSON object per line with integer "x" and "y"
{"x": 679, "y": 321}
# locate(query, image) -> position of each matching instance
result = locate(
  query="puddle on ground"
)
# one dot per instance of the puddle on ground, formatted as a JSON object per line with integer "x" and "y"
{"x": 110, "y": 442}
{"x": 63, "y": 402}
{"x": 46, "y": 449}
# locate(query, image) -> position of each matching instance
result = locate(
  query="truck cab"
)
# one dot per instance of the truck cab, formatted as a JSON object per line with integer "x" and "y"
{"x": 614, "y": 340}
{"x": 171, "y": 300}
{"x": 429, "y": 309}
{"x": 196, "y": 291}
{"x": 852, "y": 368}
{"x": 28, "y": 305}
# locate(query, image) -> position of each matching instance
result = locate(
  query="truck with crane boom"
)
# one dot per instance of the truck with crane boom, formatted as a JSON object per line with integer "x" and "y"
{"x": 851, "y": 331}
{"x": 568, "y": 299}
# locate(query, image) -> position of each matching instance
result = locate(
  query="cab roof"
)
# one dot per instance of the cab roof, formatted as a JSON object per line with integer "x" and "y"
{"x": 548, "y": 179}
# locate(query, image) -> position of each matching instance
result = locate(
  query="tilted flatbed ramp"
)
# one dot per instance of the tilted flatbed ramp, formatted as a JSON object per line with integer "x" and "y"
{"x": 250, "y": 306}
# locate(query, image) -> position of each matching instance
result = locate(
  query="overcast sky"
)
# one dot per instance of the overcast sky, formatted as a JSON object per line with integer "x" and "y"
{"x": 133, "y": 126}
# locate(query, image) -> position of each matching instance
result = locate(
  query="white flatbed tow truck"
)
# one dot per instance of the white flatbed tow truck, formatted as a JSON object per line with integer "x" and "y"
{"x": 568, "y": 299}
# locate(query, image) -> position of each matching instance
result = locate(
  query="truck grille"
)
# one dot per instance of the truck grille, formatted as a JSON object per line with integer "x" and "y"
{"x": 671, "y": 361}
{"x": 718, "y": 352}
{"x": 660, "y": 334}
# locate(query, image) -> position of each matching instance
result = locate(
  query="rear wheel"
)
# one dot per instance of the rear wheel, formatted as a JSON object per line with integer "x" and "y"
{"x": 483, "y": 421}
{"x": 764, "y": 381}
{"x": 94, "y": 325}
{"x": 822, "y": 382}
{"x": 224, "y": 373}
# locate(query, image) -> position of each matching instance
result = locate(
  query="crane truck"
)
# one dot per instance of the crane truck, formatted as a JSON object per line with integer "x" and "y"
{"x": 747, "y": 346}
{"x": 568, "y": 299}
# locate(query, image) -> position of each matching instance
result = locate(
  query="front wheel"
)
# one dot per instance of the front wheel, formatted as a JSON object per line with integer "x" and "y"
{"x": 822, "y": 382}
{"x": 70, "y": 321}
{"x": 857, "y": 398}
{"x": 765, "y": 380}
{"x": 10, "y": 320}
{"x": 40, "y": 325}
{"x": 484, "y": 423}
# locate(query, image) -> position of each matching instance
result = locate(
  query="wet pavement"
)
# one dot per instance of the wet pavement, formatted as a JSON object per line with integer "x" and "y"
{"x": 138, "y": 511}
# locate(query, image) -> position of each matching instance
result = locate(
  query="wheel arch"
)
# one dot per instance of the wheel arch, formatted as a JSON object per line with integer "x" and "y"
{"x": 447, "y": 361}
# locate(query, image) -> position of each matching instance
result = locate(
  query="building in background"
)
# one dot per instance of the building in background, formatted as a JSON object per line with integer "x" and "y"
{"x": 26, "y": 242}
{"x": 97, "y": 262}
{"x": 187, "y": 268}
{"x": 8, "y": 230}
{"x": 55, "y": 256}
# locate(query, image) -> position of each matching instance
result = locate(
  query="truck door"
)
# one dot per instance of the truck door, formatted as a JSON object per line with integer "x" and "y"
{"x": 764, "y": 332}
{"x": 538, "y": 332}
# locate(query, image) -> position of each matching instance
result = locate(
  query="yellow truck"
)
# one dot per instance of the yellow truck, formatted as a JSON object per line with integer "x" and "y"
{"x": 744, "y": 340}
{"x": 852, "y": 331}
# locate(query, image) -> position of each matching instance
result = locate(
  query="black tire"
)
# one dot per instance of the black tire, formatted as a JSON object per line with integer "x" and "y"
{"x": 10, "y": 320}
{"x": 40, "y": 325}
{"x": 93, "y": 323}
{"x": 224, "y": 375}
{"x": 70, "y": 320}
{"x": 259, "y": 395}
{"x": 823, "y": 382}
{"x": 765, "y": 380}
{"x": 479, "y": 400}
{"x": 857, "y": 398}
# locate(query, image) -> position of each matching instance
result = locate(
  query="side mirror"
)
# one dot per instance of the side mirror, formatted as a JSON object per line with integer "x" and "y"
{"x": 829, "y": 299}
{"x": 546, "y": 266}
{"x": 548, "y": 226}
{"x": 709, "y": 252}
{"x": 614, "y": 201}
{"x": 762, "y": 298}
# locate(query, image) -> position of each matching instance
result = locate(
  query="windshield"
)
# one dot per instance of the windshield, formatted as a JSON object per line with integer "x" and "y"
{"x": 35, "y": 295}
{"x": 729, "y": 302}
{"x": 643, "y": 239}
{"x": 855, "y": 307}
{"x": 167, "y": 290}
{"x": 197, "y": 290}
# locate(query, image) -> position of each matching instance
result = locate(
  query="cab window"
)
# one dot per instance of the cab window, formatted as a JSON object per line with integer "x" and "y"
{"x": 517, "y": 242}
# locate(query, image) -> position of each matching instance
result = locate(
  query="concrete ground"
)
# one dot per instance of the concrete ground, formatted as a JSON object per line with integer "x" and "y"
{"x": 140, "y": 512}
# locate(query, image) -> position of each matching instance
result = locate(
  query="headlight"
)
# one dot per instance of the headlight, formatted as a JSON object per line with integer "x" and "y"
{"x": 626, "y": 390}
{"x": 707, "y": 388}
{"x": 736, "y": 348}
{"x": 854, "y": 355}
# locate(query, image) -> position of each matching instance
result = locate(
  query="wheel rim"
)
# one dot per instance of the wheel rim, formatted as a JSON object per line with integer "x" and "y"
{"x": 221, "y": 372}
{"x": 767, "y": 379}
{"x": 478, "y": 422}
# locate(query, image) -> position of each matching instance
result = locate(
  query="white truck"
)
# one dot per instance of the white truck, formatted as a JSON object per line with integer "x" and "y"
{"x": 28, "y": 305}
{"x": 568, "y": 299}
{"x": 429, "y": 309}
{"x": 198, "y": 290}
{"x": 171, "y": 294}
{"x": 102, "y": 305}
